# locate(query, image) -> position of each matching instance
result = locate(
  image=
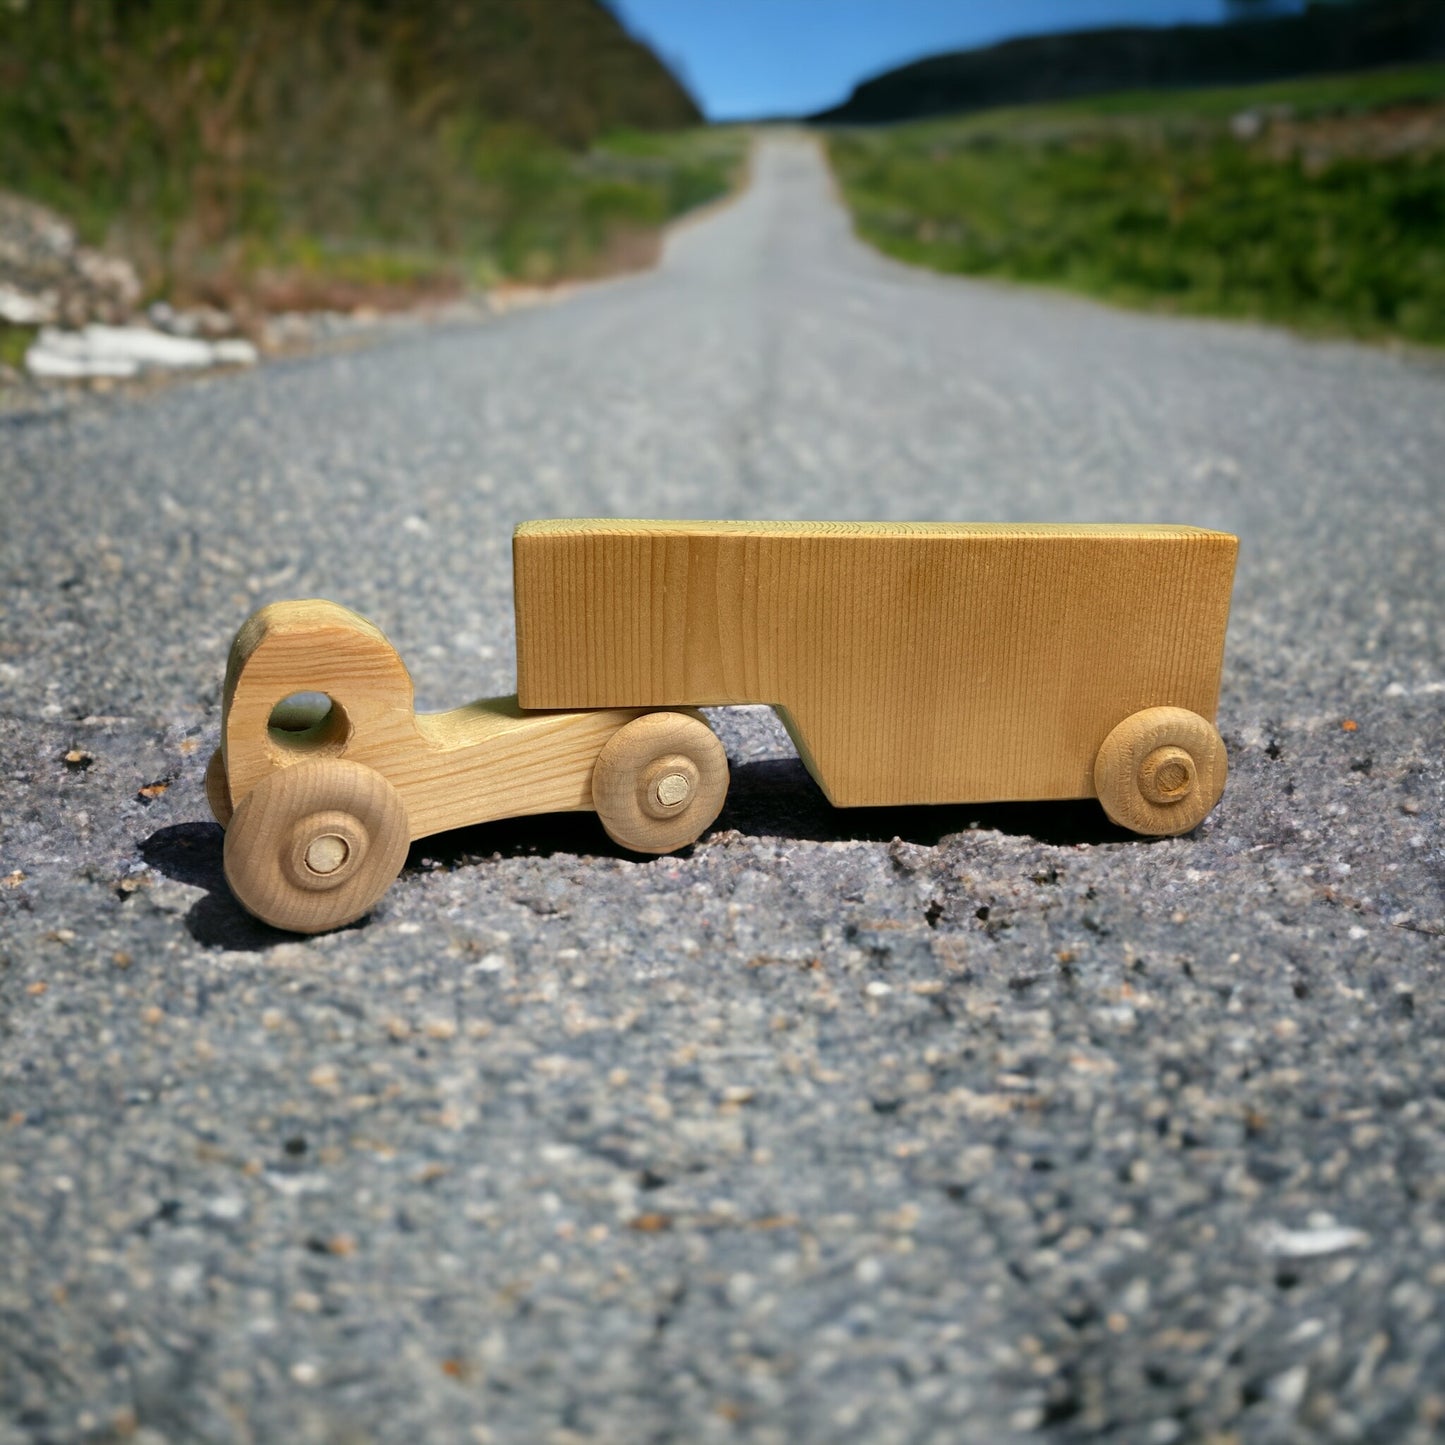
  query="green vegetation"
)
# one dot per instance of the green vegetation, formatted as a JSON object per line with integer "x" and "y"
{"x": 382, "y": 145}
{"x": 1308, "y": 97}
{"x": 1321, "y": 37}
{"x": 14, "y": 343}
{"x": 1319, "y": 203}
{"x": 524, "y": 209}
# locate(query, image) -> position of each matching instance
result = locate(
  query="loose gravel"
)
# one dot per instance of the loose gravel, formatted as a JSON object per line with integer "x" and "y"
{"x": 958, "y": 1124}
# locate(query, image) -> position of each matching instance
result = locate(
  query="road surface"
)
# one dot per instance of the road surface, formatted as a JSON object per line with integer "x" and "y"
{"x": 969, "y": 1124}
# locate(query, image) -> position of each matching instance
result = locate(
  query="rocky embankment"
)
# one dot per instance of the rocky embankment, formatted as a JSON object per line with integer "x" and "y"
{"x": 79, "y": 307}
{"x": 78, "y": 314}
{"x": 47, "y": 278}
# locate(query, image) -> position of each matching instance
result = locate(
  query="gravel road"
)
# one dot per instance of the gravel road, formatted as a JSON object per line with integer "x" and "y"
{"x": 953, "y": 1125}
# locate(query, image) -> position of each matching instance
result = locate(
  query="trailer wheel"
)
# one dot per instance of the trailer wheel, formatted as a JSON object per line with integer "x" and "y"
{"x": 315, "y": 845}
{"x": 1161, "y": 771}
{"x": 659, "y": 781}
{"x": 218, "y": 789}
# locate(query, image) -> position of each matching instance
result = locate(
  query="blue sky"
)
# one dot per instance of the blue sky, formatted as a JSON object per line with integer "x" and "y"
{"x": 745, "y": 58}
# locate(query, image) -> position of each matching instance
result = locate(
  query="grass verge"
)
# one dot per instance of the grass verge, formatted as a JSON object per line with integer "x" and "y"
{"x": 14, "y": 343}
{"x": 1318, "y": 203}
{"x": 349, "y": 151}
{"x": 525, "y": 210}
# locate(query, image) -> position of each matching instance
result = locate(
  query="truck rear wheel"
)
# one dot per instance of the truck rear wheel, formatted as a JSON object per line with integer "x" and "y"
{"x": 659, "y": 782}
{"x": 1161, "y": 771}
{"x": 315, "y": 845}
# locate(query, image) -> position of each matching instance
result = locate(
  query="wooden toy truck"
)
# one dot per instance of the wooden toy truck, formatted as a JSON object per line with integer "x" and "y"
{"x": 910, "y": 662}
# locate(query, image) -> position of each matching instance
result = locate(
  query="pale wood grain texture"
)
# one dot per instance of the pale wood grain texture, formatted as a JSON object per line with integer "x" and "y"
{"x": 325, "y": 772}
{"x": 659, "y": 782}
{"x": 315, "y": 846}
{"x": 911, "y": 662}
{"x": 218, "y": 790}
{"x": 1160, "y": 771}
{"x": 482, "y": 761}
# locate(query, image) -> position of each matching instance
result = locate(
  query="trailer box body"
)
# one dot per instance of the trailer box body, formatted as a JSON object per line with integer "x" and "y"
{"x": 910, "y": 662}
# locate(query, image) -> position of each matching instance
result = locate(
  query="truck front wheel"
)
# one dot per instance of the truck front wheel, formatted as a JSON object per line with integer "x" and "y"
{"x": 659, "y": 782}
{"x": 314, "y": 846}
{"x": 1161, "y": 771}
{"x": 218, "y": 790}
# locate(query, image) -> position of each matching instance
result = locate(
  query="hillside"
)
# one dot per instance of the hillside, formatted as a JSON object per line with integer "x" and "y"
{"x": 213, "y": 142}
{"x": 1319, "y": 203}
{"x": 1096, "y": 62}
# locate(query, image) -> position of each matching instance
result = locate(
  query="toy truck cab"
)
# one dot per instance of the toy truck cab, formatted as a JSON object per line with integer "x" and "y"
{"x": 326, "y": 773}
{"x": 911, "y": 663}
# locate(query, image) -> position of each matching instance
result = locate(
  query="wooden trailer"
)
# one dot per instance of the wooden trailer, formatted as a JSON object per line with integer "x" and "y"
{"x": 910, "y": 662}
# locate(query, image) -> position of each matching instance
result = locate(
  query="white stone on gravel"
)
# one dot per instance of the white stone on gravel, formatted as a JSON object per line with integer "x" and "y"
{"x": 1315, "y": 1243}
{"x": 1288, "y": 1389}
{"x": 235, "y": 351}
{"x": 121, "y": 351}
{"x": 50, "y": 363}
{"x": 20, "y": 308}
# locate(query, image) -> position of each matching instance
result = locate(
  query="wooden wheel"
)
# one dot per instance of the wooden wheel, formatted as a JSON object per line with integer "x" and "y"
{"x": 659, "y": 781}
{"x": 218, "y": 790}
{"x": 1161, "y": 771}
{"x": 315, "y": 845}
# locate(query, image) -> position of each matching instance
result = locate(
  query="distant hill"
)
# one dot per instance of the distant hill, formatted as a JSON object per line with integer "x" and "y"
{"x": 222, "y": 135}
{"x": 1094, "y": 62}
{"x": 566, "y": 67}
